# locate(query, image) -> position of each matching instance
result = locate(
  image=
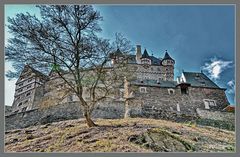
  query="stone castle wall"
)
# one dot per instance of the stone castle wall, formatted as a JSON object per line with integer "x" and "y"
{"x": 162, "y": 99}
{"x": 217, "y": 115}
{"x": 113, "y": 110}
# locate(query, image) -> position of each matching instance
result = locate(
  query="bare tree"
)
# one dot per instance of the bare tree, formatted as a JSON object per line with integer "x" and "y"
{"x": 65, "y": 39}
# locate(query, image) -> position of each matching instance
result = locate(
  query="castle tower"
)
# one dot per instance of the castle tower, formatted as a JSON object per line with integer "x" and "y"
{"x": 25, "y": 89}
{"x": 145, "y": 59}
{"x": 168, "y": 64}
{"x": 138, "y": 54}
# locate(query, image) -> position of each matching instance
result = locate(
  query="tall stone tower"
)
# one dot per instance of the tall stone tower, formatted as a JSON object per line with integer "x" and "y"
{"x": 168, "y": 64}
{"x": 25, "y": 91}
{"x": 138, "y": 54}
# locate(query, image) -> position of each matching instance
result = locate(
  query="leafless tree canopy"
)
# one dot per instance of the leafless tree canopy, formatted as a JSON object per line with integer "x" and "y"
{"x": 65, "y": 39}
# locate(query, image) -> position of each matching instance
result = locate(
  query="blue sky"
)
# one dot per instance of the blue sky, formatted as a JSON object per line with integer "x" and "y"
{"x": 198, "y": 37}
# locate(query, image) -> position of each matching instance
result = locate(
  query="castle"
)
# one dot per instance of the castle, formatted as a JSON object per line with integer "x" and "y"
{"x": 154, "y": 89}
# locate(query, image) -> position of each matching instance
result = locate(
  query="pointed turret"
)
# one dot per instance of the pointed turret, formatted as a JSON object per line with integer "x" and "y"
{"x": 168, "y": 64}
{"x": 167, "y": 60}
{"x": 145, "y": 54}
{"x": 167, "y": 56}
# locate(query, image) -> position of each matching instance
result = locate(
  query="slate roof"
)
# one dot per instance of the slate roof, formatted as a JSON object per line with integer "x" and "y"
{"x": 132, "y": 59}
{"x": 145, "y": 54}
{"x": 169, "y": 84}
{"x": 155, "y": 61}
{"x": 116, "y": 53}
{"x": 199, "y": 80}
{"x": 167, "y": 56}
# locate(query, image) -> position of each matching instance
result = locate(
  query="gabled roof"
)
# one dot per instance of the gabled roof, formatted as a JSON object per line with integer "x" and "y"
{"x": 155, "y": 61}
{"x": 38, "y": 73}
{"x": 199, "y": 80}
{"x": 132, "y": 59}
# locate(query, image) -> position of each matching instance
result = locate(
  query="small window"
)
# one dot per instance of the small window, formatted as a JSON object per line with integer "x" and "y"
{"x": 184, "y": 90}
{"x": 20, "y": 90}
{"x": 29, "y": 80}
{"x": 143, "y": 90}
{"x": 29, "y": 86}
{"x": 20, "y": 84}
{"x": 28, "y": 93}
{"x": 208, "y": 103}
{"x": 212, "y": 103}
{"x": 25, "y": 101}
{"x": 203, "y": 83}
{"x": 170, "y": 91}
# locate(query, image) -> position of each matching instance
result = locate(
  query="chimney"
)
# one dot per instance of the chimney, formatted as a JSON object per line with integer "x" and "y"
{"x": 138, "y": 54}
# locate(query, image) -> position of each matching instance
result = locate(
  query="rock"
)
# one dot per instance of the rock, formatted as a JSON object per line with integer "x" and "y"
{"x": 28, "y": 131}
{"x": 161, "y": 141}
{"x": 29, "y": 137}
{"x": 14, "y": 140}
{"x": 196, "y": 139}
{"x": 132, "y": 138}
{"x": 69, "y": 126}
{"x": 176, "y": 132}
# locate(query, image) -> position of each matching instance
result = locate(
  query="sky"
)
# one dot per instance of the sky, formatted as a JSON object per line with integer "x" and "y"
{"x": 197, "y": 37}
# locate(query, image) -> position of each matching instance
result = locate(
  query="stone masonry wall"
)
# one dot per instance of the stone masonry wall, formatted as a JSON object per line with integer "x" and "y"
{"x": 161, "y": 99}
{"x": 61, "y": 112}
{"x": 217, "y": 115}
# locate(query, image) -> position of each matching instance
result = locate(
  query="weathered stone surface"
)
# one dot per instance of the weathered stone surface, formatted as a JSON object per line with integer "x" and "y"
{"x": 217, "y": 115}
{"x": 161, "y": 141}
{"x": 157, "y": 99}
{"x": 61, "y": 112}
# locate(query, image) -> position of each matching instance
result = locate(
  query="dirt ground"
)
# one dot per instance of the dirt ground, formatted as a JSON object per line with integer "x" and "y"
{"x": 115, "y": 136}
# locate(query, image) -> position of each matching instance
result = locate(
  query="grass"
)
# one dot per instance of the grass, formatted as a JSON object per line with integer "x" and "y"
{"x": 112, "y": 136}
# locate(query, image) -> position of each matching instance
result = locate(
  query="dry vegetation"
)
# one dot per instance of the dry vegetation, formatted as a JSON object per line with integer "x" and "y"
{"x": 114, "y": 136}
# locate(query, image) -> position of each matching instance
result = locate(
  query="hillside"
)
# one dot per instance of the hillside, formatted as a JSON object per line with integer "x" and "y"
{"x": 119, "y": 135}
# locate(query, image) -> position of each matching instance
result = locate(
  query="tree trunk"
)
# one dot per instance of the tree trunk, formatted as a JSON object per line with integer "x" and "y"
{"x": 89, "y": 121}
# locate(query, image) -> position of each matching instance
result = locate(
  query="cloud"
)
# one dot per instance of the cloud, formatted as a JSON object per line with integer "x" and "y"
{"x": 215, "y": 67}
{"x": 231, "y": 89}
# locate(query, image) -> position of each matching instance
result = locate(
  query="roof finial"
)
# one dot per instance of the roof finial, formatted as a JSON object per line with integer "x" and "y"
{"x": 166, "y": 50}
